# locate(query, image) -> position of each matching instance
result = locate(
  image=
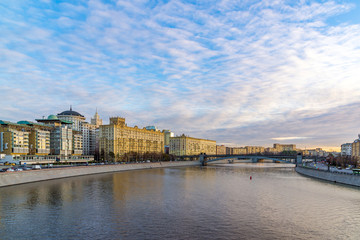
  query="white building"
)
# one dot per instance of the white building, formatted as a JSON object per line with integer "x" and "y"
{"x": 76, "y": 118}
{"x": 346, "y": 149}
{"x": 89, "y": 138}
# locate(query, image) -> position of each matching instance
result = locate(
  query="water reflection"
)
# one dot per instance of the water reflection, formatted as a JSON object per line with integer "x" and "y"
{"x": 214, "y": 202}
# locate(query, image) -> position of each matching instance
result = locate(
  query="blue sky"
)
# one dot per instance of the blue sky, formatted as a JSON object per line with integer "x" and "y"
{"x": 239, "y": 72}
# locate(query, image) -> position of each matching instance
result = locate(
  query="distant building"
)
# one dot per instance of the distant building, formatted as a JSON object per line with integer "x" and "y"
{"x": 319, "y": 152}
{"x": 229, "y": 151}
{"x": 151, "y": 128}
{"x": 167, "y": 135}
{"x": 239, "y": 151}
{"x": 64, "y": 140}
{"x": 89, "y": 133}
{"x": 284, "y": 147}
{"x": 220, "y": 150}
{"x": 75, "y": 118}
{"x": 346, "y": 149}
{"x": 14, "y": 138}
{"x": 87, "y": 130}
{"x": 254, "y": 149}
{"x": 39, "y": 138}
{"x": 183, "y": 145}
{"x": 118, "y": 139}
{"x": 355, "y": 147}
{"x": 97, "y": 121}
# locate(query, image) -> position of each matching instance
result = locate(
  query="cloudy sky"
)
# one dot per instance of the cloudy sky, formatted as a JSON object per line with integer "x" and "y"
{"x": 237, "y": 71}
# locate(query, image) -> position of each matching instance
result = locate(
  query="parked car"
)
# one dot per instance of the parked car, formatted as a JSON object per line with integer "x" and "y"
{"x": 36, "y": 167}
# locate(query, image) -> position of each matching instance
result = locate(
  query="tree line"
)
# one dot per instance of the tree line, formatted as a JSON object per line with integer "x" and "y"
{"x": 342, "y": 161}
{"x": 135, "y": 157}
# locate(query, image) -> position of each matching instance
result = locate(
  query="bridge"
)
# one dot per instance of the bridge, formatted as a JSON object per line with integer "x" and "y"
{"x": 294, "y": 159}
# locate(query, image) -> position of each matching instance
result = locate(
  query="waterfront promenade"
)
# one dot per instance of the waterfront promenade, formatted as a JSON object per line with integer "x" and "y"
{"x": 321, "y": 172}
{"x": 14, "y": 178}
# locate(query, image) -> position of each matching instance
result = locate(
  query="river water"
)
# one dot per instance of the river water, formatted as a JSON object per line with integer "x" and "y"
{"x": 213, "y": 202}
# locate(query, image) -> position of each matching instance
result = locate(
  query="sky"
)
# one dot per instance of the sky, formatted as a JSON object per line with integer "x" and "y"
{"x": 236, "y": 71}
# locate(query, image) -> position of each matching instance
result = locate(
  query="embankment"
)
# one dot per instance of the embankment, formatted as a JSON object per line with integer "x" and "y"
{"x": 343, "y": 178}
{"x": 13, "y": 178}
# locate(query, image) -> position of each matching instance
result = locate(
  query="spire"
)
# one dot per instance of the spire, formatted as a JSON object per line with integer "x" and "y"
{"x": 70, "y": 108}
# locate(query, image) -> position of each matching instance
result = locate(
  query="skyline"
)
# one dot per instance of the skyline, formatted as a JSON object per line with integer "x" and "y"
{"x": 241, "y": 73}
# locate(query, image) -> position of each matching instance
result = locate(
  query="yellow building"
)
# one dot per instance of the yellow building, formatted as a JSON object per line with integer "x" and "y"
{"x": 39, "y": 138}
{"x": 184, "y": 145}
{"x": 77, "y": 141}
{"x": 220, "y": 150}
{"x": 239, "y": 150}
{"x": 14, "y": 138}
{"x": 118, "y": 138}
{"x": 254, "y": 149}
{"x": 355, "y": 148}
{"x": 284, "y": 147}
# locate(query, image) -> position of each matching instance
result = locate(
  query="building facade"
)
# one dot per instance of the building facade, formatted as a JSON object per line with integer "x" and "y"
{"x": 167, "y": 135}
{"x": 284, "y": 147}
{"x": 39, "y": 138}
{"x": 183, "y": 145}
{"x": 254, "y": 149}
{"x": 14, "y": 138}
{"x": 75, "y": 118}
{"x": 117, "y": 139}
{"x": 96, "y": 120}
{"x": 64, "y": 140}
{"x": 220, "y": 150}
{"x": 89, "y": 134}
{"x": 355, "y": 147}
{"x": 87, "y": 130}
{"x": 239, "y": 151}
{"x": 346, "y": 149}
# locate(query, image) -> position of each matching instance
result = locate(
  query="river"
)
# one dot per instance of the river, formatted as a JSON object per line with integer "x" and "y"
{"x": 213, "y": 202}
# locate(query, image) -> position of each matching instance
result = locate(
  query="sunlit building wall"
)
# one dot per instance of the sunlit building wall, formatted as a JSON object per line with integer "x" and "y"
{"x": 183, "y": 145}
{"x": 118, "y": 138}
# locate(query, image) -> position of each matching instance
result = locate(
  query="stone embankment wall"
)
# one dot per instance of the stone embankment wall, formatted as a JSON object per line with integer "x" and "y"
{"x": 343, "y": 178}
{"x": 13, "y": 178}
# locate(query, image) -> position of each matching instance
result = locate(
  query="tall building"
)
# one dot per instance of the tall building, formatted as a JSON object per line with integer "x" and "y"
{"x": 346, "y": 149}
{"x": 183, "y": 145}
{"x": 89, "y": 132}
{"x": 39, "y": 138}
{"x": 167, "y": 135}
{"x": 355, "y": 147}
{"x": 97, "y": 121}
{"x": 75, "y": 118}
{"x": 117, "y": 138}
{"x": 63, "y": 138}
{"x": 14, "y": 138}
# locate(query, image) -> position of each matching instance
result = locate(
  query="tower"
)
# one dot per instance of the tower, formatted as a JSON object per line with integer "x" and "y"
{"x": 96, "y": 120}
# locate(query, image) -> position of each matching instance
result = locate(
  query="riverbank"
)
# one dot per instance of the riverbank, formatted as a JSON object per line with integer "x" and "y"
{"x": 14, "y": 178}
{"x": 344, "y": 178}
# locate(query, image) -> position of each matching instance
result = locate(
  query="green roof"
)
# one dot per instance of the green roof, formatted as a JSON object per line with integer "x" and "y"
{"x": 10, "y": 123}
{"x": 52, "y": 117}
{"x": 30, "y": 123}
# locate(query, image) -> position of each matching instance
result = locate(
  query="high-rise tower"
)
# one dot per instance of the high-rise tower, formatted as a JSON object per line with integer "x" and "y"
{"x": 97, "y": 121}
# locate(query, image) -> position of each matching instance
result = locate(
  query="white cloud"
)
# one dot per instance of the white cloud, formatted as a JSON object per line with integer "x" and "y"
{"x": 187, "y": 67}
